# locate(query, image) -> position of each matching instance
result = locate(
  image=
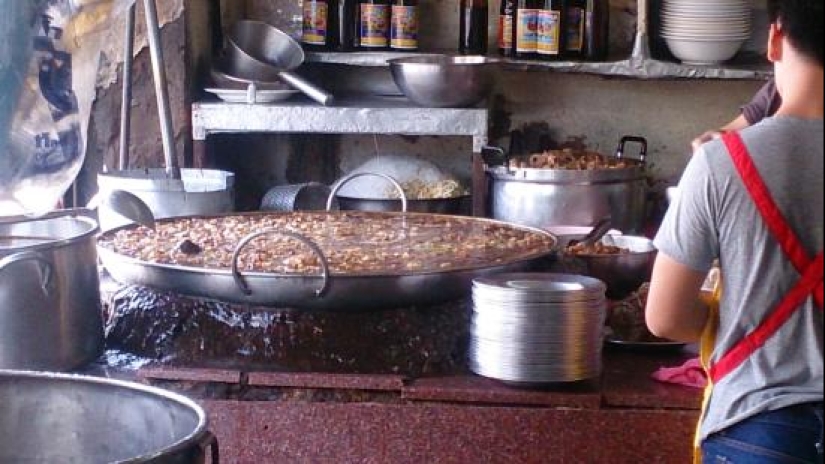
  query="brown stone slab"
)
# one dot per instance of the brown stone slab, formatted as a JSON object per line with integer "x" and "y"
{"x": 257, "y": 432}
{"x": 480, "y": 390}
{"x": 627, "y": 382}
{"x": 378, "y": 382}
{"x": 190, "y": 374}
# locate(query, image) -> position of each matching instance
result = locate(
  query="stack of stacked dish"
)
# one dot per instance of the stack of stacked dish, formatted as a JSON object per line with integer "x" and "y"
{"x": 705, "y": 31}
{"x": 537, "y": 328}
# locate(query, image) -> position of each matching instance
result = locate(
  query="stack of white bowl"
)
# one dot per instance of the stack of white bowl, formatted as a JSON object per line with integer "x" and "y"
{"x": 537, "y": 328}
{"x": 705, "y": 32}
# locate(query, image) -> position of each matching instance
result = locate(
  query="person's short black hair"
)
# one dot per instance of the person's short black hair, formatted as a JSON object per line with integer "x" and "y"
{"x": 802, "y": 22}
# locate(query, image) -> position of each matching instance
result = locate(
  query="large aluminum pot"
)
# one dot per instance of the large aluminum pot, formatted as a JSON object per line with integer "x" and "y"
{"x": 59, "y": 418}
{"x": 204, "y": 192}
{"x": 550, "y": 197}
{"x": 50, "y": 309}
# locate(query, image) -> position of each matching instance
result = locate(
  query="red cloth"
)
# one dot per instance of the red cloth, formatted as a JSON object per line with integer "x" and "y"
{"x": 689, "y": 374}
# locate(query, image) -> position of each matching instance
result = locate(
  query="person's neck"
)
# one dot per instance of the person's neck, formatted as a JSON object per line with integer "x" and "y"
{"x": 803, "y": 96}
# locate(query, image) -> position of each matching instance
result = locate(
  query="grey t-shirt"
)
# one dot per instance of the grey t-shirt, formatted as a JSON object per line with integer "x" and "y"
{"x": 714, "y": 217}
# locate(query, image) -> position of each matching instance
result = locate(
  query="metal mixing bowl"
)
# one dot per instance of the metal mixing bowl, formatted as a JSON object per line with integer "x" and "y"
{"x": 623, "y": 273}
{"x": 444, "y": 81}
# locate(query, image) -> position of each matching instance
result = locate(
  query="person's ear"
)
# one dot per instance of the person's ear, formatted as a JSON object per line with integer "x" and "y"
{"x": 775, "y": 35}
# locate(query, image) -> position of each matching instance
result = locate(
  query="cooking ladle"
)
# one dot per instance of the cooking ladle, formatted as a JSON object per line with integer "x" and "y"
{"x": 258, "y": 51}
{"x": 126, "y": 204}
{"x": 599, "y": 230}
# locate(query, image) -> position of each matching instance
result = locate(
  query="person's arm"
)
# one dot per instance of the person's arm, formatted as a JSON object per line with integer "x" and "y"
{"x": 763, "y": 104}
{"x": 740, "y": 122}
{"x": 673, "y": 310}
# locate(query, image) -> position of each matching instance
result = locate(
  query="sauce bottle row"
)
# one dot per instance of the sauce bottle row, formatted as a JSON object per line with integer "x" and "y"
{"x": 538, "y": 29}
{"x": 348, "y": 25}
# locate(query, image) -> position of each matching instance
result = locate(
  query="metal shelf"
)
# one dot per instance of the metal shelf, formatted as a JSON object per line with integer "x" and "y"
{"x": 375, "y": 115}
{"x": 745, "y": 67}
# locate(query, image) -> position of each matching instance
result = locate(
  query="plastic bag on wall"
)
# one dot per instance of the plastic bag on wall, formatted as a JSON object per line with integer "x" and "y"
{"x": 48, "y": 67}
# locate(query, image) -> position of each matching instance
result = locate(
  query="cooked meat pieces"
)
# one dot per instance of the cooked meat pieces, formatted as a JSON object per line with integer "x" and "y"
{"x": 570, "y": 160}
{"x": 352, "y": 242}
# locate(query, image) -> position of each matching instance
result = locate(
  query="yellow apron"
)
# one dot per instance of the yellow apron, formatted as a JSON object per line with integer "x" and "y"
{"x": 706, "y": 345}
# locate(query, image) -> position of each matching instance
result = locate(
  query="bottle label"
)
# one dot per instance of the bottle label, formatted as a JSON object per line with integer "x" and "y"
{"x": 505, "y": 32}
{"x": 575, "y": 29}
{"x": 315, "y": 23}
{"x": 549, "y": 32}
{"x": 526, "y": 36}
{"x": 404, "y": 30}
{"x": 374, "y": 25}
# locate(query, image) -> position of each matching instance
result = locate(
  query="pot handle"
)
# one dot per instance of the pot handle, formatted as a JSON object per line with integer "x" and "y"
{"x": 241, "y": 283}
{"x": 632, "y": 138}
{"x": 46, "y": 271}
{"x": 210, "y": 441}
{"x": 350, "y": 177}
{"x": 494, "y": 156}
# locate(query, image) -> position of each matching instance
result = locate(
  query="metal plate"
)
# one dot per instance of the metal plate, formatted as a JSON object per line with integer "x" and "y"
{"x": 645, "y": 346}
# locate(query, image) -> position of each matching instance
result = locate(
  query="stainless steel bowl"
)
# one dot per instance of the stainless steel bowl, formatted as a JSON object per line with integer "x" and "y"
{"x": 623, "y": 273}
{"x": 444, "y": 81}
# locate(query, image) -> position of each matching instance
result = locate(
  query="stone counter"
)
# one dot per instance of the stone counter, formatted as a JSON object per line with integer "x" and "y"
{"x": 624, "y": 416}
{"x": 390, "y": 387}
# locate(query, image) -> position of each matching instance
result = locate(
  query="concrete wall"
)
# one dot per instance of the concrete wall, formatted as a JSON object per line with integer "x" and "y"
{"x": 581, "y": 110}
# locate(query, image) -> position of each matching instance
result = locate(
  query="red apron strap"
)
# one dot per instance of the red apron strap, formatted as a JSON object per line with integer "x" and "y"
{"x": 772, "y": 215}
{"x": 793, "y": 300}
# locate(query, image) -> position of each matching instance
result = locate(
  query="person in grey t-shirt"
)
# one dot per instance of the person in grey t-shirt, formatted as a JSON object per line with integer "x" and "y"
{"x": 754, "y": 200}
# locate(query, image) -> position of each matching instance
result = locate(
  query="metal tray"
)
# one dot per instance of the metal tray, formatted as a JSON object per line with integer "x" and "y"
{"x": 329, "y": 292}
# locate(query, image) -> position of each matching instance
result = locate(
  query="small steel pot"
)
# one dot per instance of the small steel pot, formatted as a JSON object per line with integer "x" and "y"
{"x": 50, "y": 309}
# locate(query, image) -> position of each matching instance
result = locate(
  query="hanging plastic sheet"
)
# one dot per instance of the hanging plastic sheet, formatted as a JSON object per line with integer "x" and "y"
{"x": 49, "y": 52}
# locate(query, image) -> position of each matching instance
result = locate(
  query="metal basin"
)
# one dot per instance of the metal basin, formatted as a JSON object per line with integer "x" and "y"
{"x": 623, "y": 273}
{"x": 51, "y": 418}
{"x": 454, "y": 205}
{"x": 444, "y": 81}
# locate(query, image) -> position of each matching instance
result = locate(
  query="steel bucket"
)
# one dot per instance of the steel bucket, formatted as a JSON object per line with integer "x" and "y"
{"x": 205, "y": 192}
{"x": 50, "y": 309}
{"x": 53, "y": 418}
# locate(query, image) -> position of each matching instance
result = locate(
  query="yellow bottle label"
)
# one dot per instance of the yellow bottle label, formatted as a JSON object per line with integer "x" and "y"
{"x": 315, "y": 23}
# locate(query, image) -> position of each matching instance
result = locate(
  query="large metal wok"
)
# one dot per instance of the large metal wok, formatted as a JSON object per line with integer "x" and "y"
{"x": 329, "y": 291}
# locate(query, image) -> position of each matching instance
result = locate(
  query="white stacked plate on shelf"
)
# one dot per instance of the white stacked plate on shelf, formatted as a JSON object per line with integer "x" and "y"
{"x": 705, "y": 32}
{"x": 537, "y": 328}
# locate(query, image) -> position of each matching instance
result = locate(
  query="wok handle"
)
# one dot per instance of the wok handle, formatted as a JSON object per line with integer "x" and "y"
{"x": 350, "y": 177}
{"x": 46, "y": 271}
{"x": 210, "y": 441}
{"x": 241, "y": 283}
{"x": 311, "y": 90}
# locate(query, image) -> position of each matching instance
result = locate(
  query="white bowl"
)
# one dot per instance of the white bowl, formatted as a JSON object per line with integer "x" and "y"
{"x": 693, "y": 51}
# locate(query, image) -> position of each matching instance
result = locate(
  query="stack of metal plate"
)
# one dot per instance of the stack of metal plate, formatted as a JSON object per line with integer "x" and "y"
{"x": 537, "y": 328}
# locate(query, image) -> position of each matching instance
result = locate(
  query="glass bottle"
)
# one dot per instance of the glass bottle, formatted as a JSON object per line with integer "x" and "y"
{"x": 473, "y": 27}
{"x": 525, "y": 29}
{"x": 346, "y": 27}
{"x": 317, "y": 32}
{"x": 374, "y": 24}
{"x": 404, "y": 25}
{"x": 550, "y": 37}
{"x": 596, "y": 30}
{"x": 506, "y": 20}
{"x": 574, "y": 18}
